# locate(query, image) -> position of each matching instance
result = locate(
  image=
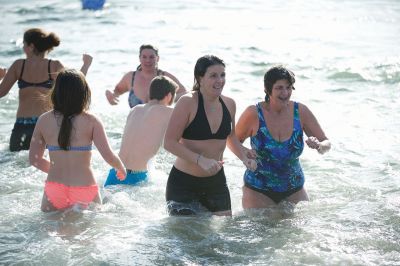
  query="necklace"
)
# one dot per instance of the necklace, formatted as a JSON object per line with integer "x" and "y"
{"x": 212, "y": 108}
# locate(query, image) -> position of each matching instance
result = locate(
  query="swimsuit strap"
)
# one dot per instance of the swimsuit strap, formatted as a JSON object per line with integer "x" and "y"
{"x": 260, "y": 114}
{"x": 81, "y": 148}
{"x": 48, "y": 67}
{"x": 296, "y": 116}
{"x": 71, "y": 148}
{"x": 296, "y": 111}
{"x": 22, "y": 69}
{"x": 133, "y": 78}
{"x": 297, "y": 123}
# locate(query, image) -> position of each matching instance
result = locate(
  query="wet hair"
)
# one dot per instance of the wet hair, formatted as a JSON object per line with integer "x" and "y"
{"x": 41, "y": 40}
{"x": 146, "y": 46}
{"x": 70, "y": 96}
{"x": 200, "y": 69}
{"x": 274, "y": 74}
{"x": 160, "y": 86}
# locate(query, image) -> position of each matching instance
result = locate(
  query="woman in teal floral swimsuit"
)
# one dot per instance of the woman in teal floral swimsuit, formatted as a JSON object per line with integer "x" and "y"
{"x": 275, "y": 128}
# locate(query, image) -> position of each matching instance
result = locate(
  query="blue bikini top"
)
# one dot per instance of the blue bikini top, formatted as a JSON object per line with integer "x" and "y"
{"x": 45, "y": 84}
{"x": 71, "y": 148}
{"x": 133, "y": 100}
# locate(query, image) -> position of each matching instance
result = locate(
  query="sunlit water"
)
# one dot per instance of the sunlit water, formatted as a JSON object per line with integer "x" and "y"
{"x": 346, "y": 58}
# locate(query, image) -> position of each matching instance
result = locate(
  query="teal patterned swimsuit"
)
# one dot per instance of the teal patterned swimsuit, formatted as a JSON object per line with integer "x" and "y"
{"x": 278, "y": 173}
{"x": 133, "y": 100}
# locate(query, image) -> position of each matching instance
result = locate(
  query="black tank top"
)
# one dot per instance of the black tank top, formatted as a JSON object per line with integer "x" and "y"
{"x": 199, "y": 128}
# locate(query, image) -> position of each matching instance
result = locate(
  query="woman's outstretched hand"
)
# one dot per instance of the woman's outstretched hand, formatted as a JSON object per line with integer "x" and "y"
{"x": 112, "y": 98}
{"x": 3, "y": 72}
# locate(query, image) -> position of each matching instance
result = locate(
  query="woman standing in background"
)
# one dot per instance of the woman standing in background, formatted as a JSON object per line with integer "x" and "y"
{"x": 138, "y": 82}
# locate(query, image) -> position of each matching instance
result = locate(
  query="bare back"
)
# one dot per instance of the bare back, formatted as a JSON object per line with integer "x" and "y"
{"x": 33, "y": 101}
{"x": 143, "y": 134}
{"x": 71, "y": 168}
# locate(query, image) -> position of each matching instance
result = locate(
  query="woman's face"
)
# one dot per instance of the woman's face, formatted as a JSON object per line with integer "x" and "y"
{"x": 214, "y": 80}
{"x": 281, "y": 91}
{"x": 148, "y": 59}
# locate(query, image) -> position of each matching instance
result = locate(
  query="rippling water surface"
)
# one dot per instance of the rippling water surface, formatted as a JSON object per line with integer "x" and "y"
{"x": 346, "y": 58}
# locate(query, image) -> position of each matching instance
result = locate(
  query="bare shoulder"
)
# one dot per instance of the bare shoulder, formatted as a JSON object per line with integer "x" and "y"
{"x": 160, "y": 112}
{"x": 307, "y": 118}
{"x": 57, "y": 65}
{"x": 304, "y": 111}
{"x": 46, "y": 115}
{"x": 90, "y": 119}
{"x": 161, "y": 107}
{"x": 169, "y": 108}
{"x": 45, "y": 120}
{"x": 168, "y": 74}
{"x": 16, "y": 67}
{"x": 18, "y": 62}
{"x": 187, "y": 99}
{"x": 139, "y": 109}
{"x": 250, "y": 114}
{"x": 251, "y": 110}
{"x": 128, "y": 76}
{"x": 165, "y": 109}
{"x": 228, "y": 101}
{"x": 230, "y": 104}
{"x": 129, "y": 73}
{"x": 186, "y": 107}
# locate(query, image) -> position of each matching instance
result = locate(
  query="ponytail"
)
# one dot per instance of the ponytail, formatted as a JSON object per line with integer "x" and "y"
{"x": 41, "y": 40}
{"x": 70, "y": 96}
{"x": 64, "y": 137}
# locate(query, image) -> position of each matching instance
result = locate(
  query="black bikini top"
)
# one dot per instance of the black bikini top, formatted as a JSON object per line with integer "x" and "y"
{"x": 199, "y": 128}
{"x": 45, "y": 84}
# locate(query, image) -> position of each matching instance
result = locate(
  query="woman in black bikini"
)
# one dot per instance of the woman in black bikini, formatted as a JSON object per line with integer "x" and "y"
{"x": 197, "y": 133}
{"x": 35, "y": 76}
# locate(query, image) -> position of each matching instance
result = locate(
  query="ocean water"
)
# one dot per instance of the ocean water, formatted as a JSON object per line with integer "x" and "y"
{"x": 346, "y": 57}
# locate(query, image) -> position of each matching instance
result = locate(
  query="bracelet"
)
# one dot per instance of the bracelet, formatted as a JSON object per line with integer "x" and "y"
{"x": 198, "y": 157}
